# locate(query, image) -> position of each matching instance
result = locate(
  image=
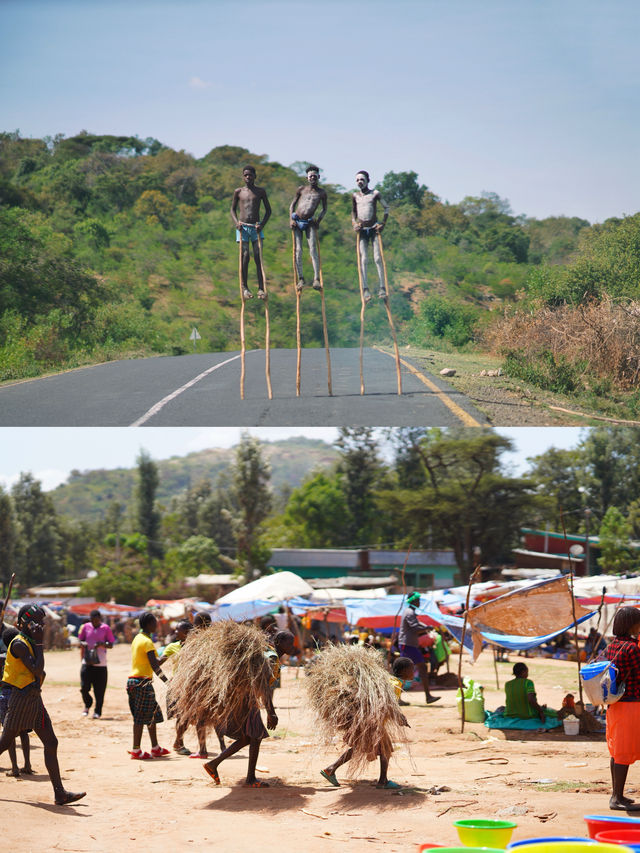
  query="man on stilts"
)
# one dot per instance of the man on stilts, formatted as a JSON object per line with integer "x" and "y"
{"x": 364, "y": 208}
{"x": 303, "y": 220}
{"x": 245, "y": 213}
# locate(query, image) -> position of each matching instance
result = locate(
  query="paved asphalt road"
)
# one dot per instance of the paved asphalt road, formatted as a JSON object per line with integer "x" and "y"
{"x": 204, "y": 390}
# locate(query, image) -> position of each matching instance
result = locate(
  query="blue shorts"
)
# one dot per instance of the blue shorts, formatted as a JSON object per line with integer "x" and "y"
{"x": 303, "y": 224}
{"x": 249, "y": 232}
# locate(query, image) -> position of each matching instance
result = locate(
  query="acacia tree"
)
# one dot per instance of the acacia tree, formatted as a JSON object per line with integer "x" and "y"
{"x": 467, "y": 504}
{"x": 362, "y": 472}
{"x": 251, "y": 498}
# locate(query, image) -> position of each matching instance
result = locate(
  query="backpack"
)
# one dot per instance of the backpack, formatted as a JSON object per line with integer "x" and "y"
{"x": 601, "y": 682}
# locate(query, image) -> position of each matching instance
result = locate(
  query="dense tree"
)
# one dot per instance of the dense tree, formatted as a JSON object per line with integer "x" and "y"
{"x": 251, "y": 503}
{"x": 560, "y": 477}
{"x": 317, "y": 514}
{"x": 611, "y": 459}
{"x": 147, "y": 516}
{"x": 8, "y": 538}
{"x": 615, "y": 533}
{"x": 39, "y": 552}
{"x": 362, "y": 471}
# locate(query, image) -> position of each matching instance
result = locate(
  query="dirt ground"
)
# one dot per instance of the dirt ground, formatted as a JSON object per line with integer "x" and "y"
{"x": 554, "y": 779}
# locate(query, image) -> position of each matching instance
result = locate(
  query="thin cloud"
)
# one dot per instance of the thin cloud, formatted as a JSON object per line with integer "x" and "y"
{"x": 199, "y": 83}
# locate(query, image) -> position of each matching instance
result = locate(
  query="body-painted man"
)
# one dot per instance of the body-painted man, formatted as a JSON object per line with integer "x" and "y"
{"x": 303, "y": 220}
{"x": 245, "y": 213}
{"x": 364, "y": 210}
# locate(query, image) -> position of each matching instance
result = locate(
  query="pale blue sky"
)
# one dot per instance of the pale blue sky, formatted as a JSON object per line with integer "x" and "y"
{"x": 51, "y": 453}
{"x": 536, "y": 100}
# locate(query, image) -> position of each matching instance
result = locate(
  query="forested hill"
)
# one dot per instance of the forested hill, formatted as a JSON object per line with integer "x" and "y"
{"x": 88, "y": 495}
{"x": 114, "y": 246}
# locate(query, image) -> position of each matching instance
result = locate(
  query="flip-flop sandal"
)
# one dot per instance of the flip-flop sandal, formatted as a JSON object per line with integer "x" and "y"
{"x": 212, "y": 772}
{"x": 183, "y": 751}
{"x": 393, "y": 786}
{"x": 199, "y": 755}
{"x": 257, "y": 784}
{"x": 69, "y": 797}
{"x": 621, "y": 807}
{"x": 331, "y": 778}
{"x": 159, "y": 752}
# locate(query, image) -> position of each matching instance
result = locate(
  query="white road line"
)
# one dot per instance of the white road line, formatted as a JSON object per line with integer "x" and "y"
{"x": 162, "y": 403}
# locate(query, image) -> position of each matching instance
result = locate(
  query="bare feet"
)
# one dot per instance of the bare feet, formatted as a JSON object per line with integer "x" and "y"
{"x": 317, "y": 284}
{"x": 63, "y": 798}
{"x": 300, "y": 284}
{"x": 366, "y": 295}
{"x": 246, "y": 293}
{"x": 262, "y": 294}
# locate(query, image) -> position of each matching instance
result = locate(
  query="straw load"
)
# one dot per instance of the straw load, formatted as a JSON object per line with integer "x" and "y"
{"x": 222, "y": 675}
{"x": 351, "y": 695}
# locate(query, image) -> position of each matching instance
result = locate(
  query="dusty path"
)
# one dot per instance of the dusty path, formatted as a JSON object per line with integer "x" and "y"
{"x": 134, "y": 805}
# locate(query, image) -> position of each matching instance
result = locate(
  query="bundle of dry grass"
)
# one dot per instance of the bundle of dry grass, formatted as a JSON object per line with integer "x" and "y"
{"x": 222, "y": 674}
{"x": 351, "y": 694}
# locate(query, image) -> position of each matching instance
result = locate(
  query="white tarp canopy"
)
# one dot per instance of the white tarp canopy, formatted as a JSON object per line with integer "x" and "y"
{"x": 340, "y": 593}
{"x": 279, "y": 586}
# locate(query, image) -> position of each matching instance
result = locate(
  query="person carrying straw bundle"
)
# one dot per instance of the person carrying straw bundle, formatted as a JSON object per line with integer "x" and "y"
{"x": 225, "y": 676}
{"x": 351, "y": 694}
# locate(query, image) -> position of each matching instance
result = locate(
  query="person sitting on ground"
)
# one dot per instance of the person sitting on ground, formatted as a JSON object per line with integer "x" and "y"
{"x": 521, "y": 696}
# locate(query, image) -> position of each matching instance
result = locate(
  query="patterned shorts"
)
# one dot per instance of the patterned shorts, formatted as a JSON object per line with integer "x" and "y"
{"x": 142, "y": 702}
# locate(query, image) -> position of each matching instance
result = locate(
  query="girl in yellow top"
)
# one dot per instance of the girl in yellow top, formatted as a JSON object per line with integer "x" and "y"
{"x": 24, "y": 672}
{"x": 142, "y": 698}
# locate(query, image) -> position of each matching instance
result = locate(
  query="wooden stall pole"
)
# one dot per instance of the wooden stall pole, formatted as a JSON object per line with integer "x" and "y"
{"x": 474, "y": 576}
{"x": 573, "y": 603}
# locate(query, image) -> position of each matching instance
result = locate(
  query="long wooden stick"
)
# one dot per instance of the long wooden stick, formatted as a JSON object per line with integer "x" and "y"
{"x": 267, "y": 336}
{"x": 242, "y": 301}
{"x": 6, "y": 601}
{"x": 324, "y": 317}
{"x": 389, "y": 317}
{"x": 573, "y": 603}
{"x": 298, "y": 296}
{"x": 394, "y": 631}
{"x": 361, "y": 311}
{"x": 472, "y": 580}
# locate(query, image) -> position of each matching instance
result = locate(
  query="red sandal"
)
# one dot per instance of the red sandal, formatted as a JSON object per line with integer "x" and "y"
{"x": 257, "y": 784}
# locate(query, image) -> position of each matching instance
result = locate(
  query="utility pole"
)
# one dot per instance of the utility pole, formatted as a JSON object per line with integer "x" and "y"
{"x": 587, "y": 516}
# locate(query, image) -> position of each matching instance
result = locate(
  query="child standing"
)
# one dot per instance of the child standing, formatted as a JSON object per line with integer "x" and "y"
{"x": 142, "y": 698}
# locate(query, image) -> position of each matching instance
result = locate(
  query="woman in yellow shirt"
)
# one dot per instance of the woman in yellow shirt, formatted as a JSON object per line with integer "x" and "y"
{"x": 24, "y": 672}
{"x": 142, "y": 698}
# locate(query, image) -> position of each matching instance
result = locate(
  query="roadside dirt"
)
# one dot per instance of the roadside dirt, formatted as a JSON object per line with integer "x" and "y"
{"x": 132, "y": 805}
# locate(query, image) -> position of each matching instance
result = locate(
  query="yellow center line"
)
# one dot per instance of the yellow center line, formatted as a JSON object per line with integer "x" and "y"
{"x": 465, "y": 417}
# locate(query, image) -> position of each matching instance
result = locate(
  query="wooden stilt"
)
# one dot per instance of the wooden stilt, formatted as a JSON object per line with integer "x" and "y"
{"x": 298, "y": 296}
{"x": 242, "y": 301}
{"x": 390, "y": 318}
{"x": 362, "y": 304}
{"x": 324, "y": 318}
{"x": 267, "y": 337}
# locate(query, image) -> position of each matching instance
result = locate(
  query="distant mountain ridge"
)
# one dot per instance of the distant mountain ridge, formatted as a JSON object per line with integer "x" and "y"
{"x": 87, "y": 494}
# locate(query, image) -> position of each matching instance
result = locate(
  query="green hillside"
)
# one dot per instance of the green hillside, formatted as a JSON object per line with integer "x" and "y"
{"x": 115, "y": 246}
{"x": 88, "y": 494}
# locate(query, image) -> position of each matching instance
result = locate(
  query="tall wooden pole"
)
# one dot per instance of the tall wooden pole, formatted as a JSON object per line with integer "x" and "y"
{"x": 474, "y": 575}
{"x": 573, "y": 604}
{"x": 389, "y": 317}
{"x": 6, "y": 601}
{"x": 324, "y": 317}
{"x": 298, "y": 296}
{"x": 242, "y": 301}
{"x": 267, "y": 337}
{"x": 362, "y": 304}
